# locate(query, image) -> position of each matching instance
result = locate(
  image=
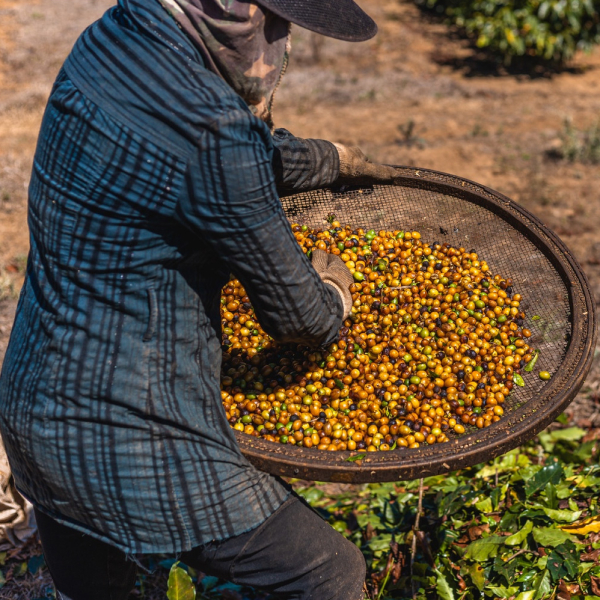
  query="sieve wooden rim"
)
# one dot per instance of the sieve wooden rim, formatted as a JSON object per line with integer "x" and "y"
{"x": 517, "y": 426}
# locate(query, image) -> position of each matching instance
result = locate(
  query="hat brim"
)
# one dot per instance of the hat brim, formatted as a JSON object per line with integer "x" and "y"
{"x": 340, "y": 19}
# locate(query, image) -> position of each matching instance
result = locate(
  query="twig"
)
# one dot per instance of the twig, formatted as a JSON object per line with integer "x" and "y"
{"x": 413, "y": 552}
{"x": 522, "y": 551}
{"x": 540, "y": 455}
{"x": 366, "y": 591}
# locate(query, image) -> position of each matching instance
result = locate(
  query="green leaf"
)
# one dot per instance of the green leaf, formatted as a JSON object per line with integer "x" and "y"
{"x": 529, "y": 595}
{"x": 484, "y": 506}
{"x": 520, "y": 536}
{"x": 536, "y": 318}
{"x": 584, "y": 567}
{"x": 541, "y": 562}
{"x": 518, "y": 380}
{"x": 209, "y": 582}
{"x": 510, "y": 461}
{"x": 355, "y": 458}
{"x": 534, "y": 514}
{"x": 20, "y": 570}
{"x": 35, "y": 563}
{"x": 563, "y": 561}
{"x": 181, "y": 586}
{"x": 380, "y": 542}
{"x": 525, "y": 473}
{"x": 505, "y": 569}
{"x": 339, "y": 526}
{"x": 566, "y": 516}
{"x": 528, "y": 572}
{"x": 502, "y": 592}
{"x": 572, "y": 434}
{"x": 542, "y": 585}
{"x": 572, "y": 452}
{"x": 477, "y": 575}
{"x": 457, "y": 498}
{"x": 443, "y": 589}
{"x": 311, "y": 494}
{"x": 510, "y": 518}
{"x": 498, "y": 494}
{"x": 551, "y": 473}
{"x": 563, "y": 490}
{"x": 391, "y": 513}
{"x": 550, "y": 493}
{"x": 588, "y": 482}
{"x": 529, "y": 366}
{"x": 481, "y": 550}
{"x": 546, "y": 441}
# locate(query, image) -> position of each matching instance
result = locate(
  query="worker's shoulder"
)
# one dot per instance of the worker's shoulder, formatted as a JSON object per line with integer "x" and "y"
{"x": 152, "y": 84}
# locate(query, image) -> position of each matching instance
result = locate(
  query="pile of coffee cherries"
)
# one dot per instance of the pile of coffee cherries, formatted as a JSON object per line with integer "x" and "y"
{"x": 434, "y": 345}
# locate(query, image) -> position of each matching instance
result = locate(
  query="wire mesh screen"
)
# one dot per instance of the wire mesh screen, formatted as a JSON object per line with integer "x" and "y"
{"x": 556, "y": 301}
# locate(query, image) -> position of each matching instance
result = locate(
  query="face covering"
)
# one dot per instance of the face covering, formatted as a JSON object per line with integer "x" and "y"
{"x": 246, "y": 45}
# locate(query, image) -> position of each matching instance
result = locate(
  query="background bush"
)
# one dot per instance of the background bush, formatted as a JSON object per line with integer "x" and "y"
{"x": 548, "y": 29}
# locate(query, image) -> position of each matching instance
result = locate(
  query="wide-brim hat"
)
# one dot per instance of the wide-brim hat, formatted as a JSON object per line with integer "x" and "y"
{"x": 341, "y": 19}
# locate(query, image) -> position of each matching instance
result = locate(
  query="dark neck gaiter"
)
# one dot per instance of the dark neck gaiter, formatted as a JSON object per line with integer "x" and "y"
{"x": 241, "y": 42}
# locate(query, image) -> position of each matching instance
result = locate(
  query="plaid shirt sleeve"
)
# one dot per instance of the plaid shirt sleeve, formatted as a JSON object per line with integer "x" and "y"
{"x": 303, "y": 164}
{"x": 247, "y": 228}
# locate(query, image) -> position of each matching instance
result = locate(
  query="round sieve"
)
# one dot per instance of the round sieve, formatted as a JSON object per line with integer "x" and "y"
{"x": 515, "y": 244}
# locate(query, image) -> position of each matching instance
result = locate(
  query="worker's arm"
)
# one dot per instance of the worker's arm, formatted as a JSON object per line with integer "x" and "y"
{"x": 303, "y": 164}
{"x": 233, "y": 206}
{"x": 307, "y": 164}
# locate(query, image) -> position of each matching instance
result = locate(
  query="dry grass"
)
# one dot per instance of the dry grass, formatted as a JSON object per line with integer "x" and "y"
{"x": 9, "y": 285}
{"x": 30, "y": 587}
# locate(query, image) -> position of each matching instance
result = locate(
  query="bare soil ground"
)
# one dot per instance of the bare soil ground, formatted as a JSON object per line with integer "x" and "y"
{"x": 416, "y": 95}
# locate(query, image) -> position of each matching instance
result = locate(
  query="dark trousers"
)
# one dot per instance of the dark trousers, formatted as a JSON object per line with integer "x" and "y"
{"x": 294, "y": 554}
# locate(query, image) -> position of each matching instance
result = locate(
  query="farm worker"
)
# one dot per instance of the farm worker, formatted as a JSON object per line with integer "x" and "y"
{"x": 156, "y": 176}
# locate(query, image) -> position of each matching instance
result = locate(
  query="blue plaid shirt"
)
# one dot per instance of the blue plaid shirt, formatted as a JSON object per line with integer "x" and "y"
{"x": 152, "y": 182}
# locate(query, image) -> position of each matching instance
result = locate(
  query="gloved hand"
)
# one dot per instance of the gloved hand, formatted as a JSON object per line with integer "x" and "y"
{"x": 334, "y": 272}
{"x": 355, "y": 168}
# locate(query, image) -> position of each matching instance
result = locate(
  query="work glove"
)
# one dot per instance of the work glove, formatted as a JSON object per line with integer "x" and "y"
{"x": 334, "y": 272}
{"x": 355, "y": 168}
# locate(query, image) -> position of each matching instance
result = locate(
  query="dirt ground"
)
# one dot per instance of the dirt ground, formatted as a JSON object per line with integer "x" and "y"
{"x": 417, "y": 94}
